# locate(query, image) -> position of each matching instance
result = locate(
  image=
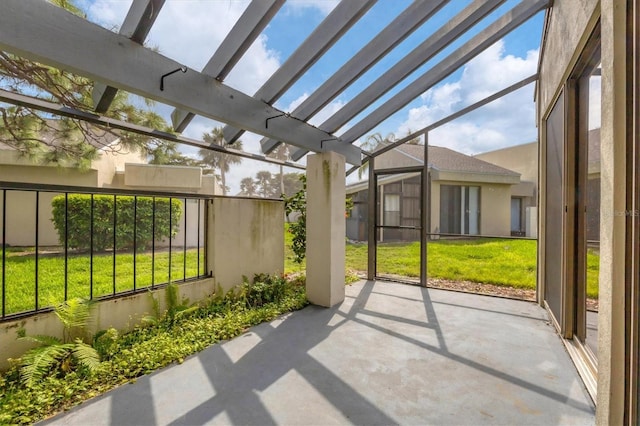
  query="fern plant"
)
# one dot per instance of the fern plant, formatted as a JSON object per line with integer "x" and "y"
{"x": 61, "y": 355}
{"x": 175, "y": 308}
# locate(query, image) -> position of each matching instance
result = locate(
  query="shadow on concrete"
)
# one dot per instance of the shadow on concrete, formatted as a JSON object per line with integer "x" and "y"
{"x": 381, "y": 357}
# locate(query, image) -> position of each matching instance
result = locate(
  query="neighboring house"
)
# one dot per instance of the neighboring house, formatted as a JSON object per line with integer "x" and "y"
{"x": 469, "y": 196}
{"x": 521, "y": 159}
{"x": 115, "y": 167}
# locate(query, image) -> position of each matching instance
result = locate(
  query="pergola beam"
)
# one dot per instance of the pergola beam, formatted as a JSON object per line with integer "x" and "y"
{"x": 251, "y": 23}
{"x": 447, "y": 119}
{"x": 137, "y": 24}
{"x": 447, "y": 66}
{"x": 402, "y": 26}
{"x": 339, "y": 21}
{"x": 440, "y": 39}
{"x": 53, "y": 108}
{"x": 48, "y": 34}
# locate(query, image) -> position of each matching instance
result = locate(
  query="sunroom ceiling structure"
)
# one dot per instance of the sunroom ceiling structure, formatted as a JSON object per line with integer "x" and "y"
{"x": 38, "y": 30}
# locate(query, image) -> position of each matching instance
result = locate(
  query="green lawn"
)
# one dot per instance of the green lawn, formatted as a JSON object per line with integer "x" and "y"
{"x": 20, "y": 275}
{"x": 502, "y": 262}
{"x": 505, "y": 262}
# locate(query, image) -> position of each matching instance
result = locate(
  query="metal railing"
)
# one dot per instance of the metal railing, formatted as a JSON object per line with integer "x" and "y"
{"x": 43, "y": 264}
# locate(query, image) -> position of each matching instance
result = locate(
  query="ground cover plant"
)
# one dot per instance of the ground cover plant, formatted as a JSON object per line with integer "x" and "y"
{"x": 151, "y": 346}
{"x": 20, "y": 275}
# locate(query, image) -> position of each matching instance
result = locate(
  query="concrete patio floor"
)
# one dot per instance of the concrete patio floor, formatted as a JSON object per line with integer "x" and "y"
{"x": 390, "y": 354}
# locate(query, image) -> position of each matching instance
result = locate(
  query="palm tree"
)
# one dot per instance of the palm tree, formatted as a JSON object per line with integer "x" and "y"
{"x": 371, "y": 143}
{"x": 219, "y": 160}
{"x": 281, "y": 153}
{"x": 248, "y": 186}
{"x": 263, "y": 179}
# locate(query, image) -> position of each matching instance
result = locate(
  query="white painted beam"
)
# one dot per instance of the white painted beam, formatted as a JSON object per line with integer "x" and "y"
{"x": 341, "y": 18}
{"x": 444, "y": 68}
{"x": 426, "y": 50}
{"x": 48, "y": 34}
{"x": 449, "y": 118}
{"x": 137, "y": 24}
{"x": 498, "y": 29}
{"x": 402, "y": 26}
{"x": 253, "y": 20}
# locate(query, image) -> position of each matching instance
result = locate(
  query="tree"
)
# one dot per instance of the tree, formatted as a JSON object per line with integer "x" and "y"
{"x": 64, "y": 141}
{"x": 264, "y": 181}
{"x": 248, "y": 186}
{"x": 371, "y": 143}
{"x": 281, "y": 153}
{"x": 166, "y": 152}
{"x": 292, "y": 183}
{"x": 219, "y": 161}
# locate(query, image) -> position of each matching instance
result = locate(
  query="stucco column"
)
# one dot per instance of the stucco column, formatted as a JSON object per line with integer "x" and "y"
{"x": 326, "y": 228}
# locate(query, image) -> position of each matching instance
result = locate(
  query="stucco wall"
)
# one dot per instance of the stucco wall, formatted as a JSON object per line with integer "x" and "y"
{"x": 246, "y": 237}
{"x": 561, "y": 46}
{"x": 173, "y": 178}
{"x": 21, "y": 204}
{"x": 495, "y": 212}
{"x": 111, "y": 162}
{"x": 393, "y": 159}
{"x": 521, "y": 159}
{"x": 122, "y": 314}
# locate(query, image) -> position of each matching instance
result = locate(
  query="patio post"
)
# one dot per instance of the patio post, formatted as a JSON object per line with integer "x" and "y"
{"x": 326, "y": 228}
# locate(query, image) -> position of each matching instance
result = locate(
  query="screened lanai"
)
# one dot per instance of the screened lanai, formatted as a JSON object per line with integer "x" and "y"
{"x": 358, "y": 69}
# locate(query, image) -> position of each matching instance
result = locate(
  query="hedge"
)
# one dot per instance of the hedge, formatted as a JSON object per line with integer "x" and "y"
{"x": 79, "y": 221}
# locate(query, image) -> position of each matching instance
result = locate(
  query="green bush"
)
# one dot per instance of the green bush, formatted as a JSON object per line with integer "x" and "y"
{"x": 127, "y": 207}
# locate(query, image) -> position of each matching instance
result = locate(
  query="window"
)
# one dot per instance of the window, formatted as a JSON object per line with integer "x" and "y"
{"x": 392, "y": 210}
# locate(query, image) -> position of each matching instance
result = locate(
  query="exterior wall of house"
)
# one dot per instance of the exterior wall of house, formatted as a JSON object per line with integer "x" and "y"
{"x": 110, "y": 163}
{"x": 570, "y": 24}
{"x": 495, "y": 210}
{"x": 563, "y": 42}
{"x": 394, "y": 159}
{"x": 21, "y": 215}
{"x": 109, "y": 171}
{"x": 521, "y": 159}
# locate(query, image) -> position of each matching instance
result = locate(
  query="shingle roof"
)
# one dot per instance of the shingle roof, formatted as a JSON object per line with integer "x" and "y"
{"x": 446, "y": 159}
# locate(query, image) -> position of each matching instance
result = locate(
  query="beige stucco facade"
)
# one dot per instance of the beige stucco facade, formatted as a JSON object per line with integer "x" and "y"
{"x": 121, "y": 170}
{"x": 495, "y": 191}
{"x": 568, "y": 30}
{"x": 494, "y": 207}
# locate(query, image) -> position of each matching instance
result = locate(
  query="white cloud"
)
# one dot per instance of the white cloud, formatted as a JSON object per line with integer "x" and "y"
{"x": 504, "y": 122}
{"x": 107, "y": 13}
{"x": 324, "y": 6}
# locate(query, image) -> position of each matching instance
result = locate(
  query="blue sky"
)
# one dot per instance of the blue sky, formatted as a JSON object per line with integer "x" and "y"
{"x": 190, "y": 31}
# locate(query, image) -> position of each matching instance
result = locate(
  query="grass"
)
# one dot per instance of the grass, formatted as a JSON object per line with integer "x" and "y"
{"x": 21, "y": 273}
{"x": 505, "y": 262}
{"x": 502, "y": 262}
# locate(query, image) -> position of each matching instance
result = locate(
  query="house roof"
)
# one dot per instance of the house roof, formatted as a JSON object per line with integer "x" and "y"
{"x": 445, "y": 159}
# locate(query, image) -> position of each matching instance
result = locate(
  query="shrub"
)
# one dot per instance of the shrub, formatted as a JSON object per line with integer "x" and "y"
{"x": 127, "y": 207}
